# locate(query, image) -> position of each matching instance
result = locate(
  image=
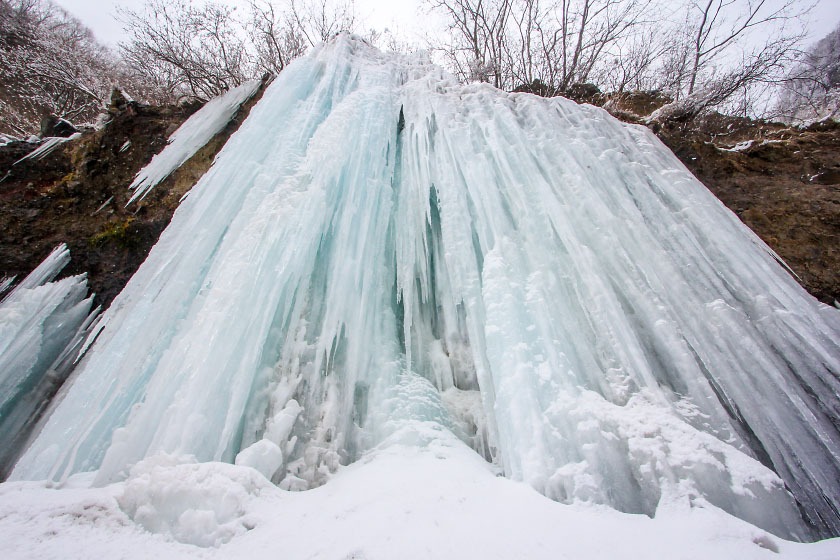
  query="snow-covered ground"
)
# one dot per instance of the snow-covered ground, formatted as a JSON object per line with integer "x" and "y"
{"x": 403, "y": 502}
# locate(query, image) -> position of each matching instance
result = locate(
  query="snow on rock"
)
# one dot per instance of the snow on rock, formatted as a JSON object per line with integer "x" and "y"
{"x": 190, "y": 137}
{"x": 748, "y": 145}
{"x": 376, "y": 235}
{"x": 739, "y": 147}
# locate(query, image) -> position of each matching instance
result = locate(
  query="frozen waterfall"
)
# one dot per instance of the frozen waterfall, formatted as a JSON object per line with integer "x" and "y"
{"x": 380, "y": 255}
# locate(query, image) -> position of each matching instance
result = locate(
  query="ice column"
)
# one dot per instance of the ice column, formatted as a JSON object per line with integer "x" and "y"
{"x": 41, "y": 325}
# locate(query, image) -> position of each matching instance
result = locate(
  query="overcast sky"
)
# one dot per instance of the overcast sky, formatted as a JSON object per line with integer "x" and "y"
{"x": 98, "y": 14}
{"x": 398, "y": 15}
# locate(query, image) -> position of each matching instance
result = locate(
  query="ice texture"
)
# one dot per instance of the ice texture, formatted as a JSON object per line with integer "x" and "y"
{"x": 6, "y": 283}
{"x": 190, "y": 137}
{"x": 194, "y": 503}
{"x": 41, "y": 325}
{"x": 381, "y": 256}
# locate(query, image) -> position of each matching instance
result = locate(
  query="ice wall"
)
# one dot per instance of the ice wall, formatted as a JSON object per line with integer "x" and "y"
{"x": 380, "y": 254}
{"x": 41, "y": 324}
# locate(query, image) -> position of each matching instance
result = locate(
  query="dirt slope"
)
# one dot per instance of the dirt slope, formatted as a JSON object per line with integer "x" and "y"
{"x": 77, "y": 195}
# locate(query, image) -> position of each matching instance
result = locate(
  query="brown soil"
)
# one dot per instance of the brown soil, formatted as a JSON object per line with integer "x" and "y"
{"x": 785, "y": 186}
{"x": 78, "y": 195}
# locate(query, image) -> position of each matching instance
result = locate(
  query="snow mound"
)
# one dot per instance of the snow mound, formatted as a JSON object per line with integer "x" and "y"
{"x": 204, "y": 504}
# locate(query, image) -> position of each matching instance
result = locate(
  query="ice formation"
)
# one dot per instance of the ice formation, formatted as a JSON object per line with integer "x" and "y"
{"x": 41, "y": 324}
{"x": 7, "y": 139}
{"x": 380, "y": 255}
{"x": 191, "y": 137}
{"x": 48, "y": 146}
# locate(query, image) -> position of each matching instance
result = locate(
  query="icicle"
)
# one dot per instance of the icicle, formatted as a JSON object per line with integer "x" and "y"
{"x": 190, "y": 137}
{"x": 41, "y": 325}
{"x": 48, "y": 146}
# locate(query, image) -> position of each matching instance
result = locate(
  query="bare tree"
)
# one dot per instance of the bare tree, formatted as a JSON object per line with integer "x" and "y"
{"x": 478, "y": 30}
{"x": 583, "y": 34}
{"x": 703, "y": 53}
{"x": 194, "y": 51}
{"x": 202, "y": 51}
{"x": 729, "y": 50}
{"x": 635, "y": 63}
{"x": 49, "y": 64}
{"x": 721, "y": 23}
{"x": 555, "y": 42}
{"x": 276, "y": 38}
{"x": 811, "y": 90}
{"x": 321, "y": 20}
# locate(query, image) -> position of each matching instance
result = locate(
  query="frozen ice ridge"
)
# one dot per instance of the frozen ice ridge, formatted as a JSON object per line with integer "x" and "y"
{"x": 191, "y": 136}
{"x": 381, "y": 256}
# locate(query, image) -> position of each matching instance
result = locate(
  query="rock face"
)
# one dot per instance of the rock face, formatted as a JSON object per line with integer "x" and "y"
{"x": 783, "y": 183}
{"x": 54, "y": 126}
{"x": 78, "y": 194}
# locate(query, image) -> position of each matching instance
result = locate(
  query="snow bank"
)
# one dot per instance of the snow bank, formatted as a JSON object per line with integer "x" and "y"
{"x": 201, "y": 504}
{"x": 401, "y": 502}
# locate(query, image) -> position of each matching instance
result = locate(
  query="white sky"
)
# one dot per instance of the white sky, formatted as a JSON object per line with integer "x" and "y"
{"x": 402, "y": 16}
{"x": 379, "y": 14}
